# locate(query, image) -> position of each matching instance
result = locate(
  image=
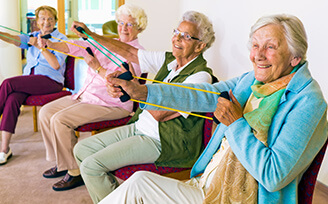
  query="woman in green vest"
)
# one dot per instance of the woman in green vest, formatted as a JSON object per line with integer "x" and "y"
{"x": 165, "y": 138}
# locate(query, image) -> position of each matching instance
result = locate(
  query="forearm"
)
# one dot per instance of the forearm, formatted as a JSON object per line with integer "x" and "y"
{"x": 7, "y": 39}
{"x": 125, "y": 50}
{"x": 162, "y": 116}
{"x": 51, "y": 59}
{"x": 60, "y": 46}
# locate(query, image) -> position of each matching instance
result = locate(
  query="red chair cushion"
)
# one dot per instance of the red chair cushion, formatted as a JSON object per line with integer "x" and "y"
{"x": 40, "y": 100}
{"x": 102, "y": 124}
{"x": 127, "y": 171}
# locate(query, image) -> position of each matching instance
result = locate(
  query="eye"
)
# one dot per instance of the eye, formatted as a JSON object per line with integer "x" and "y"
{"x": 187, "y": 36}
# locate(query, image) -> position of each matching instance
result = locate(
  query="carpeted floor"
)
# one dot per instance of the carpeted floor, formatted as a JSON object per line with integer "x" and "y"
{"x": 21, "y": 180}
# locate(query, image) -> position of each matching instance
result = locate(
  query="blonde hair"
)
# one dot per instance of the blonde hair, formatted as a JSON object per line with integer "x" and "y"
{"x": 48, "y": 8}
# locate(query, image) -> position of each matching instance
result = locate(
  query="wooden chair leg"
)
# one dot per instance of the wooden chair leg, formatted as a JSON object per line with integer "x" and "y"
{"x": 77, "y": 134}
{"x": 35, "y": 118}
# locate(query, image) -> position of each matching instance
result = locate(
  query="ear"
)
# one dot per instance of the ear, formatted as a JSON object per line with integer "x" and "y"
{"x": 295, "y": 61}
{"x": 200, "y": 47}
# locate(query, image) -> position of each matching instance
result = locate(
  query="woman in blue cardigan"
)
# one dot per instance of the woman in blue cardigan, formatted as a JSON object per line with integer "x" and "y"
{"x": 270, "y": 131}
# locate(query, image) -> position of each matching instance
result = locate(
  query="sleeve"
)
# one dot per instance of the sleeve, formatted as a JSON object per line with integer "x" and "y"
{"x": 296, "y": 135}
{"x": 76, "y": 50}
{"x": 149, "y": 61}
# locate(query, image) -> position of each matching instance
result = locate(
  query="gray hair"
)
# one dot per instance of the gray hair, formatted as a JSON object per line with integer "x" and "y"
{"x": 293, "y": 29}
{"x": 204, "y": 27}
{"x": 135, "y": 12}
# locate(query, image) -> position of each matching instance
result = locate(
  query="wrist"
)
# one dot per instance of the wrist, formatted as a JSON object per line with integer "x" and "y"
{"x": 42, "y": 49}
{"x": 98, "y": 69}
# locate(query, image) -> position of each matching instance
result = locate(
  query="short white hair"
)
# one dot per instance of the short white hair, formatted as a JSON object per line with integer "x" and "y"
{"x": 204, "y": 27}
{"x": 135, "y": 12}
{"x": 293, "y": 29}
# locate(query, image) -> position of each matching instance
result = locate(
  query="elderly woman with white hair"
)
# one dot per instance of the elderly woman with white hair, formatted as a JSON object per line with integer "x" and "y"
{"x": 167, "y": 138}
{"x": 270, "y": 131}
{"x": 59, "y": 118}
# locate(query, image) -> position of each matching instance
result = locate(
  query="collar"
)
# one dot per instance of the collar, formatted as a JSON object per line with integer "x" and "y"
{"x": 301, "y": 78}
{"x": 172, "y": 65}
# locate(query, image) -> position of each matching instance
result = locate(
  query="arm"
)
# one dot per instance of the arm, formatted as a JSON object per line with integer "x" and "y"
{"x": 127, "y": 51}
{"x": 162, "y": 116}
{"x": 8, "y": 40}
{"x": 51, "y": 58}
{"x": 61, "y": 46}
{"x": 296, "y": 136}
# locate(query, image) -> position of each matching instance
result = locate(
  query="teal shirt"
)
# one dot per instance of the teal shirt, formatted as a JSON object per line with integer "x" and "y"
{"x": 297, "y": 133}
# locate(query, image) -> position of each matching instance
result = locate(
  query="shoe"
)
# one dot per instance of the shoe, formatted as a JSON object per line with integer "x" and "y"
{"x": 4, "y": 157}
{"x": 53, "y": 173}
{"x": 68, "y": 182}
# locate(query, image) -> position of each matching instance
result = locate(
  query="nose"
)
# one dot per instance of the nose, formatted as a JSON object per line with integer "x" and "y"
{"x": 179, "y": 36}
{"x": 259, "y": 54}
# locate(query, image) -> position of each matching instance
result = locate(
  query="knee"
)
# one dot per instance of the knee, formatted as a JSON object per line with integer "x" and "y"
{"x": 90, "y": 166}
{"x": 44, "y": 114}
{"x": 139, "y": 176}
{"x": 76, "y": 152}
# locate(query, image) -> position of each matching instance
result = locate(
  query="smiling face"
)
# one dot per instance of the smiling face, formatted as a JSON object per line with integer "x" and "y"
{"x": 185, "y": 50}
{"x": 270, "y": 55}
{"x": 46, "y": 22}
{"x": 127, "y": 28}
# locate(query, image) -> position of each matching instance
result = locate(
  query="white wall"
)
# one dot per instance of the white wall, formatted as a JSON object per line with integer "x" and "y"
{"x": 232, "y": 20}
{"x": 9, "y": 65}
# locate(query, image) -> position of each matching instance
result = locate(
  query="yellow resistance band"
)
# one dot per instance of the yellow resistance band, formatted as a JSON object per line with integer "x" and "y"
{"x": 178, "y": 85}
{"x": 65, "y": 53}
{"x": 69, "y": 42}
{"x": 172, "y": 109}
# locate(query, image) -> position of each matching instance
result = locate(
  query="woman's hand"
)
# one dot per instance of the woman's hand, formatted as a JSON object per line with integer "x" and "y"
{"x": 42, "y": 43}
{"x": 76, "y": 24}
{"x": 133, "y": 88}
{"x": 34, "y": 41}
{"x": 92, "y": 61}
{"x": 227, "y": 111}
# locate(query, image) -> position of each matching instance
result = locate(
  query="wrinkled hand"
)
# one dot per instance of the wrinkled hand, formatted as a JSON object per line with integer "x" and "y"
{"x": 42, "y": 43}
{"x": 133, "y": 88}
{"x": 34, "y": 41}
{"x": 76, "y": 24}
{"x": 227, "y": 111}
{"x": 93, "y": 62}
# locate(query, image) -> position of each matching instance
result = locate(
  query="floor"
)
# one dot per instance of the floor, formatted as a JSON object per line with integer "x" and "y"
{"x": 320, "y": 194}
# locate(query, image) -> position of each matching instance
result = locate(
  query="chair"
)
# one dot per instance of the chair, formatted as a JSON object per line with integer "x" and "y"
{"x": 110, "y": 28}
{"x": 309, "y": 178}
{"x": 127, "y": 171}
{"x": 96, "y": 127}
{"x": 40, "y": 100}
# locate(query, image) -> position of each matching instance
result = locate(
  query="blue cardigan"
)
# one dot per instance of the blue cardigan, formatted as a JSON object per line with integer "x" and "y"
{"x": 298, "y": 131}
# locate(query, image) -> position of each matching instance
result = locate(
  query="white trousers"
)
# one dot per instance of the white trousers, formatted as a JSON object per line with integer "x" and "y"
{"x": 148, "y": 188}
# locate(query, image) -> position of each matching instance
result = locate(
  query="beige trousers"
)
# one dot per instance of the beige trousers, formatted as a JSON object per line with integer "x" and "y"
{"x": 58, "y": 120}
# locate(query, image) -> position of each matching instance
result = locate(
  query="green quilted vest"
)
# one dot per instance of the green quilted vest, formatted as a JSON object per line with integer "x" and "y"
{"x": 181, "y": 138}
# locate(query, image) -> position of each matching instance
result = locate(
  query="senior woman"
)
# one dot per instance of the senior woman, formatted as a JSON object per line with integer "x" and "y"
{"x": 43, "y": 74}
{"x": 165, "y": 137}
{"x": 270, "y": 131}
{"x": 59, "y": 118}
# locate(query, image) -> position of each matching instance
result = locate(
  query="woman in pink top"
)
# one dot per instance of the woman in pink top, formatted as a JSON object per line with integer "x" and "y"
{"x": 91, "y": 104}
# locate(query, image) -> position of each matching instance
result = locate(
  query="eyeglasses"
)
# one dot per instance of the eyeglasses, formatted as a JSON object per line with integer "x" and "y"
{"x": 128, "y": 24}
{"x": 184, "y": 35}
{"x": 43, "y": 19}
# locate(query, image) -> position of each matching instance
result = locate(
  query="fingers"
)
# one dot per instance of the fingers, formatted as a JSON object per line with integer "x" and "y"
{"x": 76, "y": 24}
{"x": 42, "y": 43}
{"x": 233, "y": 98}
